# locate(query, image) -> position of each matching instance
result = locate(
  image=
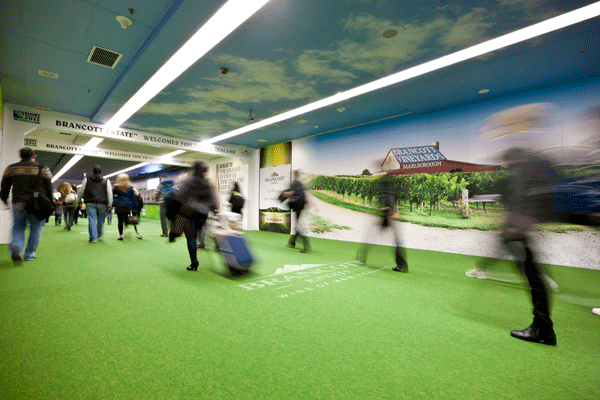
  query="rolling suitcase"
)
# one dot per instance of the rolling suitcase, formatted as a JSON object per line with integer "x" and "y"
{"x": 236, "y": 253}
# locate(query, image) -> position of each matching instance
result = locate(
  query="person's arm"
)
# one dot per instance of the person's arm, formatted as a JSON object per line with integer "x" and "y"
{"x": 6, "y": 185}
{"x": 109, "y": 195}
{"x": 81, "y": 190}
{"x": 47, "y": 182}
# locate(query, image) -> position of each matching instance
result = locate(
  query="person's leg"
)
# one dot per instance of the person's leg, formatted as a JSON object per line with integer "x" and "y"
{"x": 18, "y": 232}
{"x": 120, "y": 221}
{"x": 191, "y": 235}
{"x": 92, "y": 222}
{"x": 100, "y": 213}
{"x": 201, "y": 234}
{"x": 36, "y": 227}
{"x": 293, "y": 237}
{"x": 163, "y": 220}
{"x": 300, "y": 232}
{"x": 541, "y": 330}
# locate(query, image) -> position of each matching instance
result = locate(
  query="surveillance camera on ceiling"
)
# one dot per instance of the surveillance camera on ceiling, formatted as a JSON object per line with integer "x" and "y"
{"x": 250, "y": 117}
{"x": 223, "y": 70}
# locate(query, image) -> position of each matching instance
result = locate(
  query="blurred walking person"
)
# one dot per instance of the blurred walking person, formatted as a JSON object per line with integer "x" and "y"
{"x": 164, "y": 192}
{"x": 297, "y": 201}
{"x": 197, "y": 197}
{"x": 97, "y": 196}
{"x": 23, "y": 179}
{"x": 387, "y": 201}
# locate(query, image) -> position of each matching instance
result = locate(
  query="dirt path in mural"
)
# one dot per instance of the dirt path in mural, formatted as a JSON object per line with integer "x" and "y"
{"x": 575, "y": 249}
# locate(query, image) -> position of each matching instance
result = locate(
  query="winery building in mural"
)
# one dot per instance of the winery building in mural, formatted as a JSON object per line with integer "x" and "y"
{"x": 426, "y": 160}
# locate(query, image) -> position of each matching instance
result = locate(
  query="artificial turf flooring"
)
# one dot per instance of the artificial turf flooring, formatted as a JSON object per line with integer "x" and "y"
{"x": 125, "y": 320}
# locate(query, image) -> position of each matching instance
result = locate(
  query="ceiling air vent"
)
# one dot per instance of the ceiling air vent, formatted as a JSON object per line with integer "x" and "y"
{"x": 104, "y": 57}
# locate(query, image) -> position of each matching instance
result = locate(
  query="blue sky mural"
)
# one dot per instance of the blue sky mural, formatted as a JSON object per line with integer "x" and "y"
{"x": 301, "y": 51}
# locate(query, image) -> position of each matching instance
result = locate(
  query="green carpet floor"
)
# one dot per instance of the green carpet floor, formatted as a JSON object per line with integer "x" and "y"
{"x": 125, "y": 320}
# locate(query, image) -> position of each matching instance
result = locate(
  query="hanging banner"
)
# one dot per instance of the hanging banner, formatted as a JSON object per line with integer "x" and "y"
{"x": 275, "y": 177}
{"x": 74, "y": 124}
{"x": 55, "y": 146}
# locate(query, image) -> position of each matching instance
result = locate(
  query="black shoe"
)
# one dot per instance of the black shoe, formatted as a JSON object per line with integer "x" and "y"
{"x": 172, "y": 237}
{"x": 200, "y": 246}
{"x": 401, "y": 268}
{"x": 16, "y": 258}
{"x": 533, "y": 334}
{"x": 193, "y": 266}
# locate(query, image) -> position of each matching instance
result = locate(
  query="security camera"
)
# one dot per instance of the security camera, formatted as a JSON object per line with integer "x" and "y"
{"x": 250, "y": 117}
{"x": 223, "y": 70}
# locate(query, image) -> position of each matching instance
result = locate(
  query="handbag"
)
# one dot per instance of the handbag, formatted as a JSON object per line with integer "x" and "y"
{"x": 39, "y": 204}
{"x": 132, "y": 219}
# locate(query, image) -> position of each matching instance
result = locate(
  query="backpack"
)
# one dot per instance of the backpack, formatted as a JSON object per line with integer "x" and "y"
{"x": 166, "y": 189}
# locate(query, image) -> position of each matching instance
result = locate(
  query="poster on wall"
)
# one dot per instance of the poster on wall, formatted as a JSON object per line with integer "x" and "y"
{"x": 226, "y": 173}
{"x": 275, "y": 177}
{"x": 431, "y": 159}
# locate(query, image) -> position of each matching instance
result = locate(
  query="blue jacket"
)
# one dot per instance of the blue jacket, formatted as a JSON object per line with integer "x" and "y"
{"x": 125, "y": 199}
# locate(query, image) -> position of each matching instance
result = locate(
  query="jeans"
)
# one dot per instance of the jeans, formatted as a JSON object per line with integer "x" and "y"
{"x": 36, "y": 225}
{"x": 96, "y": 213}
{"x": 69, "y": 215}
{"x": 196, "y": 225}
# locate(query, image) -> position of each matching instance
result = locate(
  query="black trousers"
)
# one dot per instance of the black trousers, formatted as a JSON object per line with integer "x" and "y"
{"x": 540, "y": 293}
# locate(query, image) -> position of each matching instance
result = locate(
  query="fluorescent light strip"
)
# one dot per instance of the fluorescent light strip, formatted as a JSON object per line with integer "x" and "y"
{"x": 136, "y": 166}
{"x": 225, "y": 21}
{"x": 173, "y": 154}
{"x": 530, "y": 32}
{"x": 75, "y": 159}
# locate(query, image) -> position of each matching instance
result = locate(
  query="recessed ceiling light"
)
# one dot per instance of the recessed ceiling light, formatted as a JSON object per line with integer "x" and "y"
{"x": 341, "y": 109}
{"x": 302, "y": 121}
{"x": 484, "y": 91}
{"x": 261, "y": 140}
{"x": 390, "y": 33}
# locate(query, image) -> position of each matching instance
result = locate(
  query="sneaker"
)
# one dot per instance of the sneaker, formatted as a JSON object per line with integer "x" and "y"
{"x": 93, "y": 241}
{"x": 596, "y": 311}
{"x": 164, "y": 235}
{"x": 16, "y": 258}
{"x": 200, "y": 246}
{"x": 29, "y": 259}
{"x": 476, "y": 273}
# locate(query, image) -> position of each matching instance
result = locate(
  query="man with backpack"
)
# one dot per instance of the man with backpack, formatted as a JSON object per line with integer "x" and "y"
{"x": 164, "y": 192}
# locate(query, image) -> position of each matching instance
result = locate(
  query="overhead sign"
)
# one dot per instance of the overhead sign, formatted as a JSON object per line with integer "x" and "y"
{"x": 74, "y": 124}
{"x": 417, "y": 154}
{"x": 56, "y": 146}
{"x": 89, "y": 128}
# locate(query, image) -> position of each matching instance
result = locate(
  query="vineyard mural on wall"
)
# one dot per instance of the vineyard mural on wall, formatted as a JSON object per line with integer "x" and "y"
{"x": 435, "y": 157}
